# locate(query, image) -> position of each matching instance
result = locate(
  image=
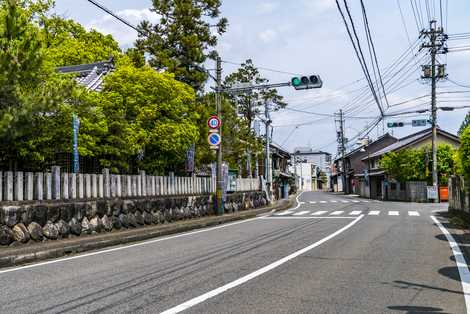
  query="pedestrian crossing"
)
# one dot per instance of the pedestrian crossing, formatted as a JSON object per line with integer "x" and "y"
{"x": 348, "y": 213}
{"x": 339, "y": 201}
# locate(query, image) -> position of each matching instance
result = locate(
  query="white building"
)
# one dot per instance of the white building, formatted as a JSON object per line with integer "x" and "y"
{"x": 312, "y": 169}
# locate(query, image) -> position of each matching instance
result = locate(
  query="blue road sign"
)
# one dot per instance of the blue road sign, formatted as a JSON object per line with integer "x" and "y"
{"x": 214, "y": 139}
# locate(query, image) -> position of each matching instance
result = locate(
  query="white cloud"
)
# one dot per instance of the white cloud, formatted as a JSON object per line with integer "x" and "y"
{"x": 268, "y": 35}
{"x": 122, "y": 33}
{"x": 319, "y": 6}
{"x": 267, "y": 7}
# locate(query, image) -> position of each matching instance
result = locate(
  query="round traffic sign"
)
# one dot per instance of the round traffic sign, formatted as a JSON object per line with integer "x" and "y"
{"x": 214, "y": 139}
{"x": 213, "y": 122}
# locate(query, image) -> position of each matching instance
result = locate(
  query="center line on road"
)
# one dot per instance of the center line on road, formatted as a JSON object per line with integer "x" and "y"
{"x": 336, "y": 213}
{"x": 320, "y": 212}
{"x": 355, "y": 212}
{"x": 413, "y": 213}
{"x": 460, "y": 261}
{"x": 374, "y": 212}
{"x": 393, "y": 213}
{"x": 204, "y": 297}
{"x": 301, "y": 213}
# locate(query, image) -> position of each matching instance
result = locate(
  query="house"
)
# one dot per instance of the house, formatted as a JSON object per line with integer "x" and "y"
{"x": 280, "y": 158}
{"x": 89, "y": 75}
{"x": 378, "y": 183}
{"x": 311, "y": 168}
{"x": 355, "y": 166}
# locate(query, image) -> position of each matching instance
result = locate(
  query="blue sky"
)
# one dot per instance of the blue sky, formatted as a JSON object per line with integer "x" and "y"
{"x": 308, "y": 36}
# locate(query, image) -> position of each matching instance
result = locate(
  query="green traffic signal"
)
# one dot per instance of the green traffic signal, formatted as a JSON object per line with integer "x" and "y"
{"x": 296, "y": 81}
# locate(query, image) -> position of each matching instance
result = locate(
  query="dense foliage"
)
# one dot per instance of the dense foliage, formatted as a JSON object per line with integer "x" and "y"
{"x": 416, "y": 164}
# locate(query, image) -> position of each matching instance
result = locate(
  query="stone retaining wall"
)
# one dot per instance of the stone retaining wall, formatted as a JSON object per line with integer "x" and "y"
{"x": 29, "y": 222}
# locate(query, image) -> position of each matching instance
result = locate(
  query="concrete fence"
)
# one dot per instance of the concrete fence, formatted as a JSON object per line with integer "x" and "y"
{"x": 458, "y": 195}
{"x": 54, "y": 185}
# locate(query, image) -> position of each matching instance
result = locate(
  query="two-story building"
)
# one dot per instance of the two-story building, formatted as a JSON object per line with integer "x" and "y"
{"x": 312, "y": 169}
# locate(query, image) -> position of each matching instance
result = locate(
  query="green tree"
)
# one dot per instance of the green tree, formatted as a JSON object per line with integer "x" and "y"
{"x": 182, "y": 39}
{"x": 465, "y": 124}
{"x": 251, "y": 104}
{"x": 464, "y": 154}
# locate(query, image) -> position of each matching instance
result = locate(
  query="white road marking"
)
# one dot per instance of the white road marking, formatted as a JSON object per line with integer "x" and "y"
{"x": 312, "y": 202}
{"x": 334, "y": 201}
{"x": 374, "y": 212}
{"x": 301, "y": 203}
{"x": 356, "y": 201}
{"x": 459, "y": 261}
{"x": 336, "y": 213}
{"x": 298, "y": 201}
{"x": 190, "y": 303}
{"x": 308, "y": 217}
{"x": 344, "y": 201}
{"x": 320, "y": 212}
{"x": 323, "y": 202}
{"x": 288, "y": 212}
{"x": 364, "y": 201}
{"x": 301, "y": 213}
{"x": 413, "y": 213}
{"x": 355, "y": 212}
{"x": 393, "y": 213}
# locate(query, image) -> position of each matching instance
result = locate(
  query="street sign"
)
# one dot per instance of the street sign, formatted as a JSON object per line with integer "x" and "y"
{"x": 190, "y": 158}
{"x": 417, "y": 123}
{"x": 214, "y": 139}
{"x": 213, "y": 122}
{"x": 432, "y": 192}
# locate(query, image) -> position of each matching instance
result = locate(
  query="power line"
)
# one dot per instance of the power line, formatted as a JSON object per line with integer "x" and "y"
{"x": 458, "y": 84}
{"x": 262, "y": 68}
{"x": 404, "y": 22}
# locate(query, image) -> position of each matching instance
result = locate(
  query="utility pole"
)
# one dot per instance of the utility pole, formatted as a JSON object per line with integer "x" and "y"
{"x": 342, "y": 151}
{"x": 436, "y": 43}
{"x": 267, "y": 167}
{"x": 218, "y": 101}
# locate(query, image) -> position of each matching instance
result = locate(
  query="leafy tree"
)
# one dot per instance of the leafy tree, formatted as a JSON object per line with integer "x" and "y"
{"x": 465, "y": 124}
{"x": 183, "y": 37}
{"x": 464, "y": 154}
{"x": 251, "y": 104}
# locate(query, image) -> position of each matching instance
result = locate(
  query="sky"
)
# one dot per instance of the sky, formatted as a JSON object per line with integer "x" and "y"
{"x": 309, "y": 37}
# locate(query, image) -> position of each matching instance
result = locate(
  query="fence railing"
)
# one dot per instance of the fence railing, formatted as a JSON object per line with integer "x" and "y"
{"x": 54, "y": 185}
{"x": 247, "y": 184}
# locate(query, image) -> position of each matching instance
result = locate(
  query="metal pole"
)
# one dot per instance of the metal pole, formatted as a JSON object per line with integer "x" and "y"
{"x": 220, "y": 181}
{"x": 267, "y": 170}
{"x": 433, "y": 108}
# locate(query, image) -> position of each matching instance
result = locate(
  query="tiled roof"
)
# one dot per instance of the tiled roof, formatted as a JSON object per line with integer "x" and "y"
{"x": 90, "y": 75}
{"x": 405, "y": 141}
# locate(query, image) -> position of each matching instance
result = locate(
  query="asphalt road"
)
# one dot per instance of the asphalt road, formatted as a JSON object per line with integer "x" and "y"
{"x": 331, "y": 254}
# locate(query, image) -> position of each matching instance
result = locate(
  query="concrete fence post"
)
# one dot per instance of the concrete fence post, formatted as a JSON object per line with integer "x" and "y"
{"x": 48, "y": 186}
{"x": 154, "y": 185}
{"x": 94, "y": 185}
{"x": 18, "y": 186}
{"x": 73, "y": 185}
{"x": 8, "y": 186}
{"x": 164, "y": 185}
{"x": 81, "y": 186}
{"x": 129, "y": 186}
{"x": 100, "y": 186}
{"x": 88, "y": 186}
{"x": 56, "y": 182}
{"x": 29, "y": 186}
{"x": 38, "y": 186}
{"x": 112, "y": 179}
{"x": 107, "y": 183}
{"x": 148, "y": 184}
{"x": 118, "y": 185}
{"x": 65, "y": 185}
{"x": 143, "y": 182}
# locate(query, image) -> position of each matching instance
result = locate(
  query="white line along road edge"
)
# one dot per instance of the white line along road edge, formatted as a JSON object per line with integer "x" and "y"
{"x": 460, "y": 261}
{"x": 190, "y": 303}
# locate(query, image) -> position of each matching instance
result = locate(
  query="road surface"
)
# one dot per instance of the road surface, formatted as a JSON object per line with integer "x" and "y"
{"x": 330, "y": 254}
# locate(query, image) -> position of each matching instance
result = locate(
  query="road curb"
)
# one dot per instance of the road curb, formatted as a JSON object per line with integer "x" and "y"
{"x": 50, "y": 250}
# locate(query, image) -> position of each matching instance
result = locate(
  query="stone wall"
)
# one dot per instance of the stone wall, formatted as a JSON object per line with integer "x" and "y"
{"x": 29, "y": 222}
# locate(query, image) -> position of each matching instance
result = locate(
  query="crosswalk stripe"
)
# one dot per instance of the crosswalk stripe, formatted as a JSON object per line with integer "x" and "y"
{"x": 344, "y": 201}
{"x": 283, "y": 213}
{"x": 374, "y": 212}
{"x": 355, "y": 201}
{"x": 318, "y": 213}
{"x": 364, "y": 201}
{"x": 334, "y": 201}
{"x": 323, "y": 202}
{"x": 312, "y": 202}
{"x": 301, "y": 213}
{"x": 355, "y": 212}
{"x": 336, "y": 213}
{"x": 413, "y": 213}
{"x": 393, "y": 213}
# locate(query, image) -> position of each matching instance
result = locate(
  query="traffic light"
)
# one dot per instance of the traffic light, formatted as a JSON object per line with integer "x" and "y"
{"x": 306, "y": 82}
{"x": 395, "y": 124}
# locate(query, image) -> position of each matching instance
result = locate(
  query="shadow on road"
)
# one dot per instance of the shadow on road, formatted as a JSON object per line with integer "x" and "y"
{"x": 409, "y": 309}
{"x": 411, "y": 285}
{"x": 451, "y": 272}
